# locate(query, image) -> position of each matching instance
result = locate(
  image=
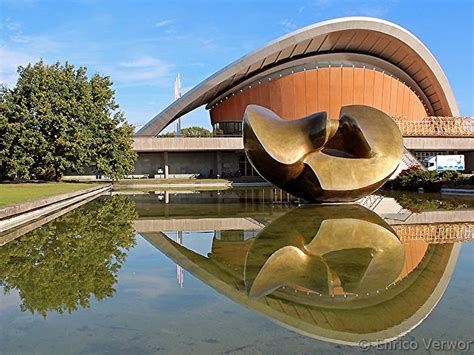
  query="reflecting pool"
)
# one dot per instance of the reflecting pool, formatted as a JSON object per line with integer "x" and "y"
{"x": 240, "y": 271}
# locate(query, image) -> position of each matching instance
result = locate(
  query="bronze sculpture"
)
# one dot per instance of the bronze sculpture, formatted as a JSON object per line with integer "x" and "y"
{"x": 321, "y": 159}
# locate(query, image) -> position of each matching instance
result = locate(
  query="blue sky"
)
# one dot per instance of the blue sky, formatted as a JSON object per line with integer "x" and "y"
{"x": 142, "y": 45}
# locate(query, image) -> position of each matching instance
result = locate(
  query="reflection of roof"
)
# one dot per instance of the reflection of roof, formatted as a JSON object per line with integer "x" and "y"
{"x": 381, "y": 318}
{"x": 367, "y": 36}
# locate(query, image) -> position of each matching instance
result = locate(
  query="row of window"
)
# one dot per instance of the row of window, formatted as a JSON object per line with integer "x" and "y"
{"x": 229, "y": 129}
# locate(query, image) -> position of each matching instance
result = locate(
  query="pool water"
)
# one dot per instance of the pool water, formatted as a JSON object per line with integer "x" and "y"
{"x": 241, "y": 271}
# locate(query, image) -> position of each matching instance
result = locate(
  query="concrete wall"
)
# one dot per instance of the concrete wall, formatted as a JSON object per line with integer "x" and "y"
{"x": 186, "y": 164}
{"x": 149, "y": 163}
{"x": 230, "y": 162}
{"x": 202, "y": 163}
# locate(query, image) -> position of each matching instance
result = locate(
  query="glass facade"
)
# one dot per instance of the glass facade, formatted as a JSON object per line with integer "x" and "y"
{"x": 227, "y": 129}
{"x": 245, "y": 168}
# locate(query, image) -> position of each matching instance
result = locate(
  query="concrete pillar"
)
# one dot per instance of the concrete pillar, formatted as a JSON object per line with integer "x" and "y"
{"x": 166, "y": 165}
{"x": 219, "y": 163}
{"x": 219, "y": 203}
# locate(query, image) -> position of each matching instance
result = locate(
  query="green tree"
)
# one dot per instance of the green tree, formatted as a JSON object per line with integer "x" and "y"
{"x": 61, "y": 265}
{"x": 56, "y": 119}
{"x": 193, "y": 131}
{"x": 168, "y": 134}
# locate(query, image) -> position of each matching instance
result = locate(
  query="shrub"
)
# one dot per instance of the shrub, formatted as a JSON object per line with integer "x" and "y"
{"x": 414, "y": 178}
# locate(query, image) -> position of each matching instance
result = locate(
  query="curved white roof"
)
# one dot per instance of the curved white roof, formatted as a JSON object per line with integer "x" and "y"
{"x": 362, "y": 35}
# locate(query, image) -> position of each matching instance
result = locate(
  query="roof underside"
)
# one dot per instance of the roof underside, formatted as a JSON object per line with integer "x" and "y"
{"x": 368, "y": 36}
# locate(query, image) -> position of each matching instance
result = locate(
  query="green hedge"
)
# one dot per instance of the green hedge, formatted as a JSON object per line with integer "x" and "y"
{"x": 414, "y": 178}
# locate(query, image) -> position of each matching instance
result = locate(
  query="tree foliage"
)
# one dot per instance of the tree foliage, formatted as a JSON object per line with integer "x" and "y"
{"x": 413, "y": 178}
{"x": 56, "y": 119}
{"x": 418, "y": 203}
{"x": 61, "y": 265}
{"x": 193, "y": 131}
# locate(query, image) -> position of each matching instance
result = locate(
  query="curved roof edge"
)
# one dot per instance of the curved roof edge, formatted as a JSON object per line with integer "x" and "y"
{"x": 253, "y": 62}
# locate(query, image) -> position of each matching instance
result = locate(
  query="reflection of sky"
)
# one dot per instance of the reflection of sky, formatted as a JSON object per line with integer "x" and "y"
{"x": 11, "y": 299}
{"x": 200, "y": 242}
{"x": 453, "y": 316}
{"x": 150, "y": 313}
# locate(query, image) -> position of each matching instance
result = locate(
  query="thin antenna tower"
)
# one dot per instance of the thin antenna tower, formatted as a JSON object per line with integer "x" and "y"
{"x": 177, "y": 95}
{"x": 179, "y": 269}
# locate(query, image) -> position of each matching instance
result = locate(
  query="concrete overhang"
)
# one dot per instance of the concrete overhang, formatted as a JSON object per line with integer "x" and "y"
{"x": 154, "y": 144}
{"x": 439, "y": 143}
{"x": 180, "y": 223}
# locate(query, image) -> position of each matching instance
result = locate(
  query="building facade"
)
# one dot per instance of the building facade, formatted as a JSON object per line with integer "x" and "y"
{"x": 321, "y": 67}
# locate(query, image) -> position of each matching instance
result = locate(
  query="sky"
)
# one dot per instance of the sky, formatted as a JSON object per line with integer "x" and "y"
{"x": 142, "y": 45}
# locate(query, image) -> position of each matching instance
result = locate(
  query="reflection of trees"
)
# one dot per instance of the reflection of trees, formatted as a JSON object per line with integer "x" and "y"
{"x": 418, "y": 203}
{"x": 59, "y": 266}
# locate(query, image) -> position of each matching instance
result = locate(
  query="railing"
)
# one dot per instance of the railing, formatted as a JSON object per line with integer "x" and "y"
{"x": 426, "y": 127}
{"x": 371, "y": 201}
{"x": 410, "y": 160}
{"x": 437, "y": 233}
{"x": 437, "y": 127}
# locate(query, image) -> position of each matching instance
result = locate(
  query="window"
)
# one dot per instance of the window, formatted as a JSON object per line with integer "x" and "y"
{"x": 229, "y": 128}
{"x": 245, "y": 168}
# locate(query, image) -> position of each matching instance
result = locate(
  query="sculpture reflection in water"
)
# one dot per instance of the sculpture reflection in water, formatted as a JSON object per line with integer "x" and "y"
{"x": 321, "y": 159}
{"x": 61, "y": 265}
{"x": 328, "y": 251}
{"x": 335, "y": 273}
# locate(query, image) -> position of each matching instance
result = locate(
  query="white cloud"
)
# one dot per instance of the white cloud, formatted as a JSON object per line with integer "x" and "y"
{"x": 10, "y": 299}
{"x": 40, "y": 44}
{"x": 373, "y": 11}
{"x": 288, "y": 25}
{"x": 11, "y": 25}
{"x": 9, "y": 61}
{"x": 144, "y": 70}
{"x": 164, "y": 23}
{"x": 154, "y": 285}
{"x": 143, "y": 62}
{"x": 372, "y": 8}
{"x": 22, "y": 4}
{"x": 17, "y": 48}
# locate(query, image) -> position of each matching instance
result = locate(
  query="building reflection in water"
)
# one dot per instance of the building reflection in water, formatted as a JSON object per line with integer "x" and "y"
{"x": 335, "y": 273}
{"x": 179, "y": 269}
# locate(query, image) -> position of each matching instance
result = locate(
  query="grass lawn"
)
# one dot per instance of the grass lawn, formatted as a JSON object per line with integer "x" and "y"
{"x": 14, "y": 193}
